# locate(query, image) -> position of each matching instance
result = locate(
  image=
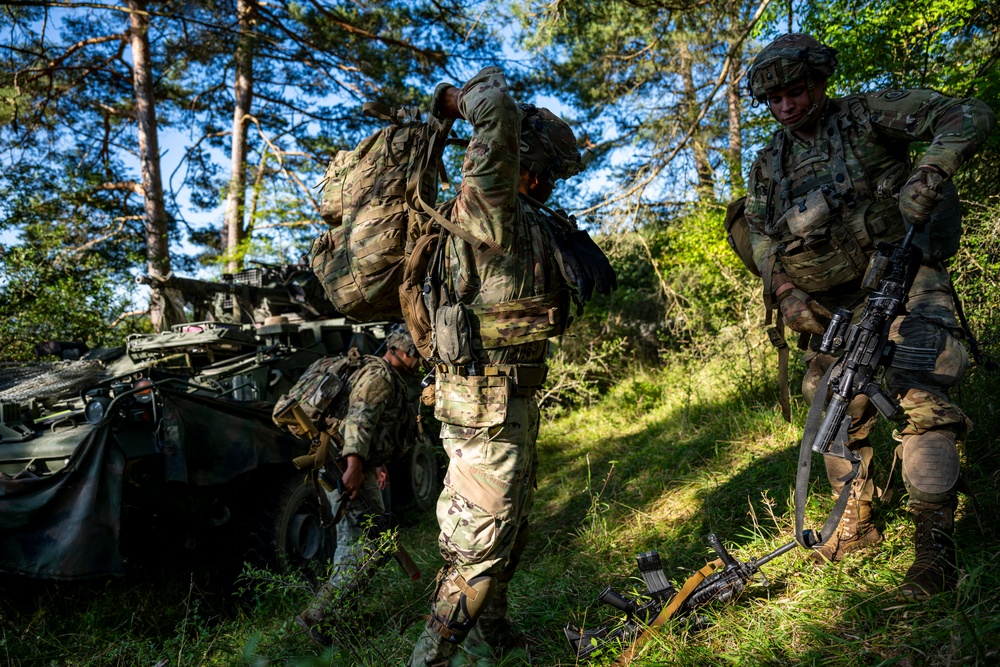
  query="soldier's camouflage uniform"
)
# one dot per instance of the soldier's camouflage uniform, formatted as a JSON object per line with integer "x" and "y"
{"x": 500, "y": 264}
{"x": 859, "y": 161}
{"x": 368, "y": 416}
{"x": 375, "y": 424}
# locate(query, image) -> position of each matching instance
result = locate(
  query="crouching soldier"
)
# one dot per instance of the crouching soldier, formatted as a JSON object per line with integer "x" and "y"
{"x": 362, "y": 417}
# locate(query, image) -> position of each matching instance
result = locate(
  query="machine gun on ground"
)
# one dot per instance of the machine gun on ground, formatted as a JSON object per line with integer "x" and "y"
{"x": 719, "y": 580}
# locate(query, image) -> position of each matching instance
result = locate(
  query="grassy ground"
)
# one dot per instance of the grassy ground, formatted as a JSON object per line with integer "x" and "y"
{"x": 662, "y": 460}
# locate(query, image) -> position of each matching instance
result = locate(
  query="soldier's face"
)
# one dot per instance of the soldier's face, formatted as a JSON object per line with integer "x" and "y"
{"x": 790, "y": 104}
{"x": 536, "y": 188}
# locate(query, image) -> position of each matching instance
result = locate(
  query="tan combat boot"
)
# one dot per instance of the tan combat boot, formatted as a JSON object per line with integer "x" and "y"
{"x": 933, "y": 569}
{"x": 855, "y": 531}
{"x": 311, "y": 618}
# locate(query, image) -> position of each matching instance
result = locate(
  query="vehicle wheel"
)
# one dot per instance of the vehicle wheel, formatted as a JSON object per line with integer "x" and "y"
{"x": 416, "y": 479}
{"x": 288, "y": 532}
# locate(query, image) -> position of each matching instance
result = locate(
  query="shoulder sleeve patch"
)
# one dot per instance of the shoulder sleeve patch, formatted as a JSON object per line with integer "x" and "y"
{"x": 895, "y": 94}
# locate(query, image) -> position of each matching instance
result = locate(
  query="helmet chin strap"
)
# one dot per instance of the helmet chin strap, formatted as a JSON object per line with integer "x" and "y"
{"x": 815, "y": 106}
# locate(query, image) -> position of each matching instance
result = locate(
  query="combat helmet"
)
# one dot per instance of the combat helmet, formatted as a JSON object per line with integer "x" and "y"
{"x": 548, "y": 145}
{"x": 399, "y": 338}
{"x": 787, "y": 59}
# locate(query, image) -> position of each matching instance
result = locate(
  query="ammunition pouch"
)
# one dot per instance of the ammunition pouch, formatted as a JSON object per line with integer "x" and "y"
{"x": 820, "y": 266}
{"x": 453, "y": 335}
{"x": 477, "y": 401}
{"x": 521, "y": 321}
{"x": 480, "y": 401}
{"x": 808, "y": 218}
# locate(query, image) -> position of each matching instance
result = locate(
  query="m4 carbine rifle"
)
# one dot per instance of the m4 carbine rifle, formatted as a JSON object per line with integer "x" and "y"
{"x": 721, "y": 579}
{"x": 865, "y": 352}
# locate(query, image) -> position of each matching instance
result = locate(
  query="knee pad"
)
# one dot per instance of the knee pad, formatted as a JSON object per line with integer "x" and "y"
{"x": 930, "y": 466}
{"x": 458, "y": 603}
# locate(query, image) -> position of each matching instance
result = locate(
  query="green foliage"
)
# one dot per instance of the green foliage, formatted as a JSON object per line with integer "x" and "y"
{"x": 946, "y": 45}
{"x": 67, "y": 277}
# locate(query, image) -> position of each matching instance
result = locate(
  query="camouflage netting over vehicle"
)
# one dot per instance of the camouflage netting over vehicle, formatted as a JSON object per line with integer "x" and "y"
{"x": 176, "y": 428}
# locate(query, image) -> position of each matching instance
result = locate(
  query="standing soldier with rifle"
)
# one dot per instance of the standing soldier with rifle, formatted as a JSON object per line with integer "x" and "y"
{"x": 355, "y": 408}
{"x": 833, "y": 181}
{"x": 501, "y": 288}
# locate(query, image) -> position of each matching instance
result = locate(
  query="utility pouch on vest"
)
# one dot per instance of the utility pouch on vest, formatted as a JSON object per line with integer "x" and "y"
{"x": 809, "y": 217}
{"x": 453, "y": 335}
{"x": 521, "y": 321}
{"x": 474, "y": 402}
{"x": 738, "y": 234}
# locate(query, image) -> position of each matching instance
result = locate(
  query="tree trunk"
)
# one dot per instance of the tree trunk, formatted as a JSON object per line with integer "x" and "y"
{"x": 735, "y": 153}
{"x": 157, "y": 246}
{"x": 702, "y": 164}
{"x": 233, "y": 228}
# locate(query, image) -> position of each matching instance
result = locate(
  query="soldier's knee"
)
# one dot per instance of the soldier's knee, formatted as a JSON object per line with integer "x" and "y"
{"x": 816, "y": 366}
{"x": 930, "y": 466}
{"x": 458, "y": 603}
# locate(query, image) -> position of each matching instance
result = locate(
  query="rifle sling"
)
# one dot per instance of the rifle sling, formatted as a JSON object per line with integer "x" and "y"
{"x": 805, "y": 466}
{"x": 668, "y": 612}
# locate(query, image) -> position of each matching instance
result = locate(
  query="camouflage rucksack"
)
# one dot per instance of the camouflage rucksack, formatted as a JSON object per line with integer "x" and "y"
{"x": 371, "y": 196}
{"x": 316, "y": 392}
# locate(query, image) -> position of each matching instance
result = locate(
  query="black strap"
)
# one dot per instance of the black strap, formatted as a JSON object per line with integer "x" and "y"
{"x": 808, "y": 539}
{"x": 977, "y": 353}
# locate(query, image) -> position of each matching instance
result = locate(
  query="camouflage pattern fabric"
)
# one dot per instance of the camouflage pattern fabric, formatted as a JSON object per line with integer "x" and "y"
{"x": 876, "y": 130}
{"x": 497, "y": 253}
{"x": 483, "y": 514}
{"x": 816, "y": 211}
{"x": 365, "y": 193}
{"x": 548, "y": 146}
{"x": 352, "y": 558}
{"x": 788, "y": 59}
{"x": 365, "y": 410}
{"x": 521, "y": 321}
{"x": 476, "y": 402}
{"x": 929, "y": 361}
{"x": 377, "y": 422}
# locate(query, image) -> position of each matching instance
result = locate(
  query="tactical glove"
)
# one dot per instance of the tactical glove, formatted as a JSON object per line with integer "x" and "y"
{"x": 803, "y": 313}
{"x": 920, "y": 195}
{"x": 585, "y": 265}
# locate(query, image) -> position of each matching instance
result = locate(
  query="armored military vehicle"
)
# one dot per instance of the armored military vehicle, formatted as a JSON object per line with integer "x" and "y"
{"x": 170, "y": 436}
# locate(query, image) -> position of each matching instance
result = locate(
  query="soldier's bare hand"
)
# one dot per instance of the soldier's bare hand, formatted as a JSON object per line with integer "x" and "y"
{"x": 803, "y": 313}
{"x": 919, "y": 197}
{"x": 353, "y": 476}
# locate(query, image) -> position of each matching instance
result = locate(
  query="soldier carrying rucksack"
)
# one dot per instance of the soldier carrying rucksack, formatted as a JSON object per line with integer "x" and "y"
{"x": 358, "y": 406}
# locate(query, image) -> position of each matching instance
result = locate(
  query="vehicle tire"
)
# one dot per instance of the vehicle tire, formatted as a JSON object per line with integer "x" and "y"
{"x": 416, "y": 479}
{"x": 287, "y": 532}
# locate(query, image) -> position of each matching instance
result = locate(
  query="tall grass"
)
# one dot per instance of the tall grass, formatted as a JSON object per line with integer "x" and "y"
{"x": 661, "y": 460}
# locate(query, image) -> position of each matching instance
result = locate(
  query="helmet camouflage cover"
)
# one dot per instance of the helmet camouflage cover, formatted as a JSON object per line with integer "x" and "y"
{"x": 788, "y": 59}
{"x": 399, "y": 339}
{"x": 548, "y": 145}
